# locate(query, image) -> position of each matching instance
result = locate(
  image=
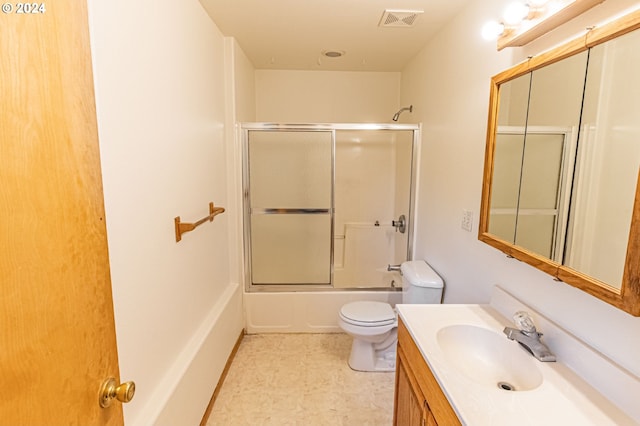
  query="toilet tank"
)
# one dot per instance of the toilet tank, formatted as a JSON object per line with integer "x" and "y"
{"x": 420, "y": 283}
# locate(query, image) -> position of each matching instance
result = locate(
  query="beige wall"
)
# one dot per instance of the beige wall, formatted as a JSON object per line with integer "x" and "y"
{"x": 160, "y": 94}
{"x": 450, "y": 98}
{"x": 244, "y": 85}
{"x": 326, "y": 96}
{"x": 241, "y": 107}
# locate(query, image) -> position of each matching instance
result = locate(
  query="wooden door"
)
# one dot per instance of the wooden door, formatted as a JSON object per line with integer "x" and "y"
{"x": 57, "y": 338}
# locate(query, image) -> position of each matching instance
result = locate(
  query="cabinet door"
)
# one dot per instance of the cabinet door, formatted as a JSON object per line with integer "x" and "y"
{"x": 409, "y": 406}
{"x": 422, "y": 384}
{"x": 431, "y": 421}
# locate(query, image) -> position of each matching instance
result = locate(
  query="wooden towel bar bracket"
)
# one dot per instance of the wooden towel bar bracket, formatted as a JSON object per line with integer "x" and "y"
{"x": 181, "y": 228}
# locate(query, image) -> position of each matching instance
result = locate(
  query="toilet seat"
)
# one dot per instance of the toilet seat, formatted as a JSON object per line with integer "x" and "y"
{"x": 368, "y": 314}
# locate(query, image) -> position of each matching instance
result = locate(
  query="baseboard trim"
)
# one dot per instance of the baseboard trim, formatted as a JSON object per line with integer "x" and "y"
{"x": 223, "y": 376}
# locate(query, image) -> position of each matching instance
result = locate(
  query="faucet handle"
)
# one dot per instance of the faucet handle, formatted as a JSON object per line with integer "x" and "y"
{"x": 524, "y": 322}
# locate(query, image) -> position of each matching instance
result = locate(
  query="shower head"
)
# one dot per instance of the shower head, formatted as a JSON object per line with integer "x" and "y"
{"x": 396, "y": 116}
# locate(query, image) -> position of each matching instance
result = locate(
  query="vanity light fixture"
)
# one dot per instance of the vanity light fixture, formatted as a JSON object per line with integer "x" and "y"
{"x": 515, "y": 13}
{"x": 524, "y": 21}
{"x": 492, "y": 30}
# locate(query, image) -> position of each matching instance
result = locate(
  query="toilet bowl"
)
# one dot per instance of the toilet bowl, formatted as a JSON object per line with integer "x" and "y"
{"x": 374, "y": 325}
{"x": 374, "y": 328}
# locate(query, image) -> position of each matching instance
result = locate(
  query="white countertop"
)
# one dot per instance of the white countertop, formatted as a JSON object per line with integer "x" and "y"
{"x": 563, "y": 398}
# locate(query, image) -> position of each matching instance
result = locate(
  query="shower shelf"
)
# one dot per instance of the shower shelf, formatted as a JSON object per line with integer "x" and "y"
{"x": 181, "y": 228}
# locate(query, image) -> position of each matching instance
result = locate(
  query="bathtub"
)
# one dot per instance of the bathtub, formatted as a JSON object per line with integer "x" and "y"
{"x": 305, "y": 311}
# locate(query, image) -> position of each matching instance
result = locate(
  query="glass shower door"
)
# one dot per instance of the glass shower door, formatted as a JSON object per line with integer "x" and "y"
{"x": 373, "y": 175}
{"x": 290, "y": 206}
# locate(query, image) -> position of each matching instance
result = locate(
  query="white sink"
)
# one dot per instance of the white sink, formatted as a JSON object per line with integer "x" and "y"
{"x": 470, "y": 357}
{"x": 489, "y": 358}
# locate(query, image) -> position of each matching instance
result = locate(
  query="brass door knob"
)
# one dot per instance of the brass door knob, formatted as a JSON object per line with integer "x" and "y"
{"x": 111, "y": 390}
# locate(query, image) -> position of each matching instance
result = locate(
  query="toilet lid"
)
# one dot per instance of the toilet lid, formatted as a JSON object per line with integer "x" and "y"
{"x": 380, "y": 313}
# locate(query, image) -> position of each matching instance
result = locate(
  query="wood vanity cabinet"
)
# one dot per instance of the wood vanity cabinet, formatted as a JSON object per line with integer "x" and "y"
{"x": 419, "y": 400}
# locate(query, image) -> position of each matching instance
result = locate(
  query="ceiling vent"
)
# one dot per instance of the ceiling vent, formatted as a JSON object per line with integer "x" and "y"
{"x": 399, "y": 18}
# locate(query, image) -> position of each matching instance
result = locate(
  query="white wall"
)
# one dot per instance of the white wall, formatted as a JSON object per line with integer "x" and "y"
{"x": 160, "y": 91}
{"x": 245, "y": 86}
{"x": 448, "y": 84}
{"x": 326, "y": 96}
{"x": 241, "y": 107}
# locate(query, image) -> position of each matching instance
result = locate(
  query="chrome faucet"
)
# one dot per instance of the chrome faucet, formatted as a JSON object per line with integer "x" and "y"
{"x": 528, "y": 337}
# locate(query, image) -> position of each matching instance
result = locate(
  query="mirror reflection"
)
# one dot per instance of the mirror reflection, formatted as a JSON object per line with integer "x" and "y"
{"x": 607, "y": 162}
{"x": 533, "y": 161}
{"x": 507, "y": 161}
{"x": 563, "y": 162}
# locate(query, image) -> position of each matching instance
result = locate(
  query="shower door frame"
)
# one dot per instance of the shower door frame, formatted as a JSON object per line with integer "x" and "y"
{"x": 247, "y": 127}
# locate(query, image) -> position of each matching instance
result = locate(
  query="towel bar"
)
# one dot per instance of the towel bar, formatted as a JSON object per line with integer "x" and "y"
{"x": 181, "y": 228}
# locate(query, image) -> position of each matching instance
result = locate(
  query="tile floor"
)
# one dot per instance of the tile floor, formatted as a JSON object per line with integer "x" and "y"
{"x": 301, "y": 379}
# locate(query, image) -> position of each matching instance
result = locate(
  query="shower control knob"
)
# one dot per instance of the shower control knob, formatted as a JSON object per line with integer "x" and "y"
{"x": 400, "y": 224}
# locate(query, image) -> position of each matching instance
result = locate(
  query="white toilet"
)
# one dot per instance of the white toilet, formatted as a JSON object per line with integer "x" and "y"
{"x": 374, "y": 325}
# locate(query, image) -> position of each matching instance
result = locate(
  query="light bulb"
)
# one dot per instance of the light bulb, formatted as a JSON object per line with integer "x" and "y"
{"x": 492, "y": 30}
{"x": 515, "y": 13}
{"x": 536, "y": 8}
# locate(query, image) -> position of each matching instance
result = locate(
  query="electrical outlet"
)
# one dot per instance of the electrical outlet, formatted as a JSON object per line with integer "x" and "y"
{"x": 467, "y": 220}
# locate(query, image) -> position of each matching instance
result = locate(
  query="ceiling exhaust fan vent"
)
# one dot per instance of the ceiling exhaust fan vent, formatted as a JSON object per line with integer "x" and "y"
{"x": 399, "y": 18}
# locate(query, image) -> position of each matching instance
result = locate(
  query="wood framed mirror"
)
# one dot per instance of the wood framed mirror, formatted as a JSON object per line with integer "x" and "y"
{"x": 561, "y": 184}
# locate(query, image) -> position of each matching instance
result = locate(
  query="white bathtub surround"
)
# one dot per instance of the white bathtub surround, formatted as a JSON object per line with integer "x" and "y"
{"x": 582, "y": 387}
{"x": 304, "y": 312}
{"x": 362, "y": 258}
{"x": 185, "y": 390}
